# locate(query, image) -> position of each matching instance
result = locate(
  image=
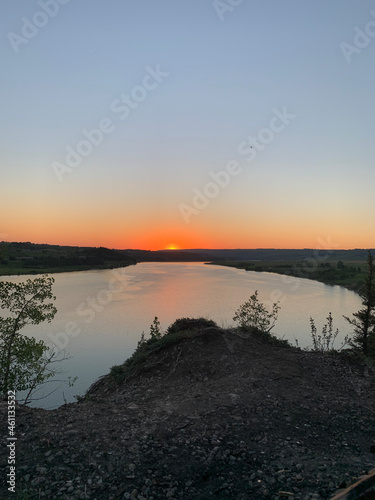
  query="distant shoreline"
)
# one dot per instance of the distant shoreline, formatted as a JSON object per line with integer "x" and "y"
{"x": 349, "y": 276}
{"x": 36, "y": 272}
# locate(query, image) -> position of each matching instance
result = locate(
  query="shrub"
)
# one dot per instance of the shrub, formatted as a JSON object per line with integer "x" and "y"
{"x": 324, "y": 342}
{"x": 253, "y": 314}
{"x": 363, "y": 320}
{"x": 155, "y": 330}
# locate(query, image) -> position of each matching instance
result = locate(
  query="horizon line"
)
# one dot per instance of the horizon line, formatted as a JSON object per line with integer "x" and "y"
{"x": 191, "y": 249}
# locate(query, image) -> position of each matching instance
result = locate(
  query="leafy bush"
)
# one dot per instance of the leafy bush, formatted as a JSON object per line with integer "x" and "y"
{"x": 253, "y": 314}
{"x": 25, "y": 363}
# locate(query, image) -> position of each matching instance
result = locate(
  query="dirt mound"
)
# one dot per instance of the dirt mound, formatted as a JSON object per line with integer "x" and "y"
{"x": 220, "y": 415}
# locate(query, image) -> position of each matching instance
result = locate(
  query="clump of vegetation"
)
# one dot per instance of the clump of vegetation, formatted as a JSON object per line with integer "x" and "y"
{"x": 324, "y": 342}
{"x": 25, "y": 363}
{"x": 254, "y": 317}
{"x": 190, "y": 324}
{"x": 182, "y": 328}
{"x": 254, "y": 314}
{"x": 155, "y": 329}
{"x": 364, "y": 319}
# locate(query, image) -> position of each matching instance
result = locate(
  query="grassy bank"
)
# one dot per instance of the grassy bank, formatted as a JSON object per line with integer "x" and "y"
{"x": 349, "y": 274}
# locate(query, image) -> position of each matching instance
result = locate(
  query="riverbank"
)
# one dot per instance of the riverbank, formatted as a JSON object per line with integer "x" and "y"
{"x": 221, "y": 414}
{"x": 22, "y": 271}
{"x": 30, "y": 258}
{"x": 348, "y": 274}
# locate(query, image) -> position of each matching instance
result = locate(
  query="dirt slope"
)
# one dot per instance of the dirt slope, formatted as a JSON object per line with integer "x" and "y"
{"x": 221, "y": 416}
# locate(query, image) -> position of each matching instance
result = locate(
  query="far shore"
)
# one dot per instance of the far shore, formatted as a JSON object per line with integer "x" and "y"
{"x": 349, "y": 275}
{"x": 57, "y": 270}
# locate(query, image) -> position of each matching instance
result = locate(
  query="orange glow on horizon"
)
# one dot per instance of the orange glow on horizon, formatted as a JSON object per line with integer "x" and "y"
{"x": 154, "y": 245}
{"x": 172, "y": 236}
{"x": 172, "y": 246}
{"x": 51, "y": 220}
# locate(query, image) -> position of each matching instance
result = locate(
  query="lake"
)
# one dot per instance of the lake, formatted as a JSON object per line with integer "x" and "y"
{"x": 101, "y": 314}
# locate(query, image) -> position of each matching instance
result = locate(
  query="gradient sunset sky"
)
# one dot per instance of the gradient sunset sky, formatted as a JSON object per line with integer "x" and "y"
{"x": 202, "y": 76}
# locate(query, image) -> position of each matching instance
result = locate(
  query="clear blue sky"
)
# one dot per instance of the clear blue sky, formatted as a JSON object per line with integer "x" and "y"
{"x": 225, "y": 77}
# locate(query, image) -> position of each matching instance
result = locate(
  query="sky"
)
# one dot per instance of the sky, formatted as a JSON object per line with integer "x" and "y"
{"x": 188, "y": 124}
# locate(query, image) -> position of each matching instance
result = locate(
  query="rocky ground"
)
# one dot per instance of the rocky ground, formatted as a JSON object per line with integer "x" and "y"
{"x": 219, "y": 416}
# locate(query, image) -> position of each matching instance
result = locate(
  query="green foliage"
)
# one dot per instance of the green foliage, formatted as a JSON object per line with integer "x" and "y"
{"x": 324, "y": 342}
{"x": 356, "y": 357}
{"x": 155, "y": 334}
{"x": 117, "y": 372}
{"x": 253, "y": 314}
{"x": 350, "y": 275}
{"x": 24, "y": 361}
{"x": 155, "y": 330}
{"x": 363, "y": 320}
{"x": 142, "y": 341}
{"x": 27, "y": 362}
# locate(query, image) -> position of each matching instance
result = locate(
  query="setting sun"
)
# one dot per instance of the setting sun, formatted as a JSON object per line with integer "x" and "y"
{"x": 172, "y": 246}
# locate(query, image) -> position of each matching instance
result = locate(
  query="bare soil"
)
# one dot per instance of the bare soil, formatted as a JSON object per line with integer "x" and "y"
{"x": 220, "y": 416}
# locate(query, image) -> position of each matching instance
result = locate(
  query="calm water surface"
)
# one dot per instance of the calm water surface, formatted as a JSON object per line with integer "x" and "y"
{"x": 101, "y": 314}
